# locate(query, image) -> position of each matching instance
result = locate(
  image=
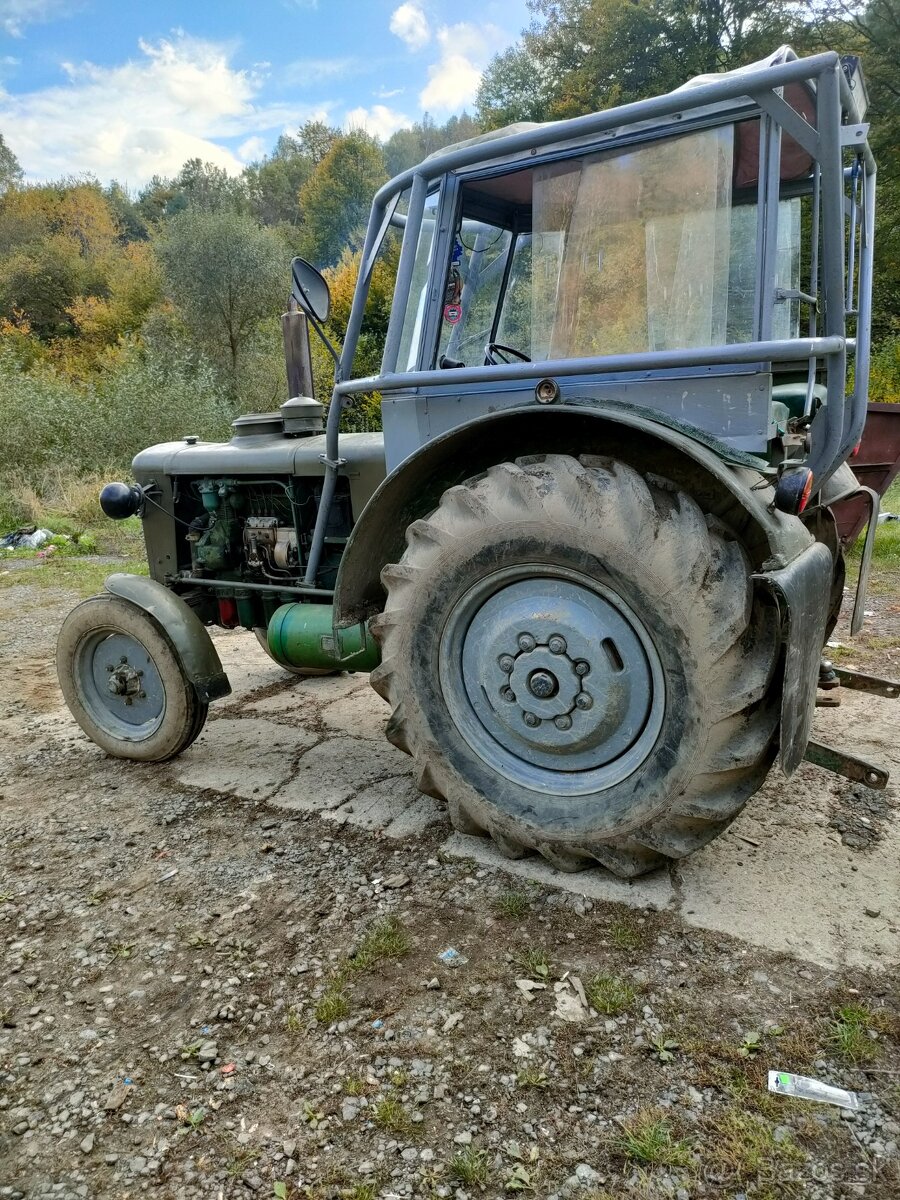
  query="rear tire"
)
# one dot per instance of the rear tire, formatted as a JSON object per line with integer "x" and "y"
{"x": 576, "y": 660}
{"x": 124, "y": 682}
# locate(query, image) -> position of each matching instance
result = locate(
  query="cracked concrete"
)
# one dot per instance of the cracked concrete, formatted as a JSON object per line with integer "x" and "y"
{"x": 779, "y": 877}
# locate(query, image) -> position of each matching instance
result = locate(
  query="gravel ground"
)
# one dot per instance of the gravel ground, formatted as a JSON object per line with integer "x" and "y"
{"x": 207, "y": 996}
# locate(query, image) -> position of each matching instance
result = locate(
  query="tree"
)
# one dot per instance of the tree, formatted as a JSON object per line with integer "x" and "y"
{"x": 10, "y": 171}
{"x": 335, "y": 201}
{"x": 579, "y": 56}
{"x": 409, "y": 146}
{"x": 225, "y": 274}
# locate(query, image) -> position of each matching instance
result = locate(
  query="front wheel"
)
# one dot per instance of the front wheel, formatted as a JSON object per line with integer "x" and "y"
{"x": 124, "y": 683}
{"x": 577, "y": 662}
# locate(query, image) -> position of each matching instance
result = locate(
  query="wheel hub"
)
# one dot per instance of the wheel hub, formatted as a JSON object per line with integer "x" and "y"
{"x": 558, "y": 684}
{"x": 119, "y": 683}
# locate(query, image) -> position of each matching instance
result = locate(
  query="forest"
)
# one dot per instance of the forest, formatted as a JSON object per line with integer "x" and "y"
{"x": 129, "y": 318}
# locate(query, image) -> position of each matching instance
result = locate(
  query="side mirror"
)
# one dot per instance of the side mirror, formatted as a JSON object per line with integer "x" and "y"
{"x": 310, "y": 290}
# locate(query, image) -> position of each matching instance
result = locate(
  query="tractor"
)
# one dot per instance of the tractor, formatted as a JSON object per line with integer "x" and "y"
{"x": 590, "y": 562}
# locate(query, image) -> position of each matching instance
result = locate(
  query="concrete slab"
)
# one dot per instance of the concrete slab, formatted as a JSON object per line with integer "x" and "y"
{"x": 336, "y": 770}
{"x": 355, "y": 714}
{"x": 246, "y": 664}
{"x": 653, "y": 891}
{"x": 396, "y": 807}
{"x": 311, "y": 693}
{"x": 247, "y": 758}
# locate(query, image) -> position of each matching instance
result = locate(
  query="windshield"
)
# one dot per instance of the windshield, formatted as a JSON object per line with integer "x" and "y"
{"x": 652, "y": 248}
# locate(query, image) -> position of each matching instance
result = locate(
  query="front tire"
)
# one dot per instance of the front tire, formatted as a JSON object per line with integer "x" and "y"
{"x": 124, "y": 683}
{"x": 576, "y": 660}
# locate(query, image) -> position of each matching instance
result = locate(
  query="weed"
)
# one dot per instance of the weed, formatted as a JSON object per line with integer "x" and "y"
{"x": 750, "y": 1046}
{"x": 849, "y": 1033}
{"x": 664, "y": 1048}
{"x": 399, "y": 1078}
{"x": 647, "y": 1137}
{"x": 532, "y": 1077}
{"x": 332, "y": 1006}
{"x": 519, "y": 1180}
{"x": 534, "y": 963}
{"x": 191, "y": 1049}
{"x": 609, "y": 994}
{"x": 625, "y": 935}
{"x": 311, "y": 1115}
{"x": 294, "y": 1022}
{"x": 362, "y": 1191}
{"x": 471, "y": 1166}
{"x": 280, "y": 1189}
{"x": 390, "y": 1114}
{"x": 193, "y": 1118}
{"x": 512, "y": 905}
{"x": 385, "y": 940}
{"x": 356, "y": 1086}
{"x": 121, "y": 950}
{"x": 83, "y": 576}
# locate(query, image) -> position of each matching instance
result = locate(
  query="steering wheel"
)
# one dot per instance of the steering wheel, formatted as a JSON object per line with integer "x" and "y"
{"x": 495, "y": 348}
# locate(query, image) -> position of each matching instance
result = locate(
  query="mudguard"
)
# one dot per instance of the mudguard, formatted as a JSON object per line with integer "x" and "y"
{"x": 182, "y": 627}
{"x": 723, "y": 481}
{"x": 798, "y": 589}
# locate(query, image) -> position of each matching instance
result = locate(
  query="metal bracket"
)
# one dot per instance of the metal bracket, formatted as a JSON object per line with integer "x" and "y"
{"x": 854, "y": 135}
{"x": 867, "y": 683}
{"x": 847, "y": 765}
{"x": 865, "y": 562}
{"x": 334, "y": 463}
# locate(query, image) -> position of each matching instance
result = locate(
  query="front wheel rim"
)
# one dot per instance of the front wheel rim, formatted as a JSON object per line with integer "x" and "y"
{"x": 552, "y": 679}
{"x": 119, "y": 685}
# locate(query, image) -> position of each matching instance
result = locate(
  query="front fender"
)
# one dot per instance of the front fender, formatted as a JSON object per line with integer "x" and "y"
{"x": 182, "y": 627}
{"x": 723, "y": 482}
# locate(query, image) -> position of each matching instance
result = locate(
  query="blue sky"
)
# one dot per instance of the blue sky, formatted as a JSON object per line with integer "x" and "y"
{"x": 124, "y": 91}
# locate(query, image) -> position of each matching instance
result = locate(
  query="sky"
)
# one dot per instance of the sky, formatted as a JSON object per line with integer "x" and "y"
{"x": 123, "y": 90}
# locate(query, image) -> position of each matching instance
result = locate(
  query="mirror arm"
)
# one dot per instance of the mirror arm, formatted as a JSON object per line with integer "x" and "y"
{"x": 324, "y": 339}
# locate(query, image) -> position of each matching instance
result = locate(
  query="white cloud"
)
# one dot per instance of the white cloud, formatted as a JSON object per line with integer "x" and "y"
{"x": 388, "y": 93}
{"x": 16, "y": 14}
{"x": 307, "y": 71}
{"x": 378, "y": 120}
{"x": 179, "y": 99}
{"x": 410, "y": 25}
{"x": 253, "y": 148}
{"x": 465, "y": 51}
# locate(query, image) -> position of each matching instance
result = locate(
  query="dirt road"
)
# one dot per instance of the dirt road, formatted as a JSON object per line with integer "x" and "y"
{"x": 226, "y": 976}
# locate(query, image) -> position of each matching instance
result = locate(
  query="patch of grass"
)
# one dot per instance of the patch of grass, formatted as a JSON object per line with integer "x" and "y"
{"x": 293, "y": 1022}
{"x": 386, "y": 940}
{"x": 332, "y": 1006}
{"x": 240, "y": 1161}
{"x": 625, "y": 935}
{"x": 742, "y": 1147}
{"x": 848, "y": 1033}
{"x": 471, "y": 1167}
{"x": 534, "y": 963}
{"x": 362, "y": 1191}
{"x": 390, "y": 1114}
{"x": 80, "y": 575}
{"x": 355, "y": 1086}
{"x": 648, "y": 1137}
{"x": 609, "y": 994}
{"x": 512, "y": 906}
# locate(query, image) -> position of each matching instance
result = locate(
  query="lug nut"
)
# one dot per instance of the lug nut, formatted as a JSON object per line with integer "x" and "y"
{"x": 142, "y": 695}
{"x": 557, "y": 644}
{"x": 123, "y": 659}
{"x": 506, "y": 662}
{"x": 530, "y": 719}
{"x": 563, "y": 722}
{"x": 508, "y": 694}
{"x": 582, "y": 667}
{"x": 526, "y": 642}
{"x": 583, "y": 700}
{"x": 110, "y": 667}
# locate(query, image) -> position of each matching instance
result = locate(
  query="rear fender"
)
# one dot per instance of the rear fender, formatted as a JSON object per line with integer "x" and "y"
{"x": 182, "y": 627}
{"x": 721, "y": 480}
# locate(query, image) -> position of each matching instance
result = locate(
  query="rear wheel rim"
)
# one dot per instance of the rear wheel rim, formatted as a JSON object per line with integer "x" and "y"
{"x": 119, "y": 685}
{"x": 552, "y": 679}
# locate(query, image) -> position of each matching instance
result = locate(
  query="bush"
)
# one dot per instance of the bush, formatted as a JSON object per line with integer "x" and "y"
{"x": 884, "y": 373}
{"x": 52, "y": 422}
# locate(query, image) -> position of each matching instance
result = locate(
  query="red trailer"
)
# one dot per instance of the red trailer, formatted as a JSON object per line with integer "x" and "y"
{"x": 876, "y": 464}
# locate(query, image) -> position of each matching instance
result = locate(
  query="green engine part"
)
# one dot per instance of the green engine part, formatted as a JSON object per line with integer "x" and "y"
{"x": 303, "y": 635}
